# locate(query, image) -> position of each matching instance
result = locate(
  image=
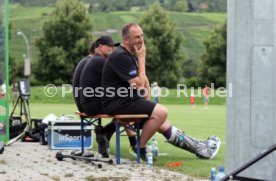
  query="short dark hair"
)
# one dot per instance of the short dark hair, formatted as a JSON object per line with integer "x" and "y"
{"x": 126, "y": 28}
{"x": 92, "y": 48}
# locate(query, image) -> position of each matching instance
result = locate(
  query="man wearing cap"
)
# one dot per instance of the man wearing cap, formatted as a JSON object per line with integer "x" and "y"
{"x": 89, "y": 95}
{"x": 91, "y": 76}
{"x": 125, "y": 68}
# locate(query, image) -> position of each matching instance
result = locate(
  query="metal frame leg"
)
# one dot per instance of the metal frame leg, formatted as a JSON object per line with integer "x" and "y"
{"x": 117, "y": 142}
{"x": 138, "y": 142}
{"x": 82, "y": 137}
{"x": 117, "y": 124}
{"x": 99, "y": 121}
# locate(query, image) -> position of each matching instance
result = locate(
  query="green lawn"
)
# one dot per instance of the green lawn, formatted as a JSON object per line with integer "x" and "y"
{"x": 175, "y": 96}
{"x": 198, "y": 122}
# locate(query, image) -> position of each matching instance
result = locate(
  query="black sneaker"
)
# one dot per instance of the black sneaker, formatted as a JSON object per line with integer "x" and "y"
{"x": 133, "y": 151}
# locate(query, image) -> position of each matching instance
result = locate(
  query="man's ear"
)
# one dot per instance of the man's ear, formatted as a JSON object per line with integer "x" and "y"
{"x": 126, "y": 40}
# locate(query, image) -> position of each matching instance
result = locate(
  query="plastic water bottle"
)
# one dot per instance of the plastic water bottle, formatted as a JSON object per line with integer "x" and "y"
{"x": 213, "y": 174}
{"x": 220, "y": 174}
{"x": 62, "y": 117}
{"x": 154, "y": 148}
{"x": 149, "y": 155}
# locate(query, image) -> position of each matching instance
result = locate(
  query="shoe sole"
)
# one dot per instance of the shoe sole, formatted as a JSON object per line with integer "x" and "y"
{"x": 218, "y": 146}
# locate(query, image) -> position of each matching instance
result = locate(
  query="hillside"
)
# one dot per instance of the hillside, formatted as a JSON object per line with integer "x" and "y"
{"x": 194, "y": 26}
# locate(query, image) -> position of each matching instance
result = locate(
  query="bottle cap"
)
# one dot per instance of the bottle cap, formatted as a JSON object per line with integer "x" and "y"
{"x": 221, "y": 168}
{"x": 213, "y": 169}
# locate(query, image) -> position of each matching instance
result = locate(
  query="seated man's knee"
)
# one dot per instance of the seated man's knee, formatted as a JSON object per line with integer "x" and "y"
{"x": 160, "y": 112}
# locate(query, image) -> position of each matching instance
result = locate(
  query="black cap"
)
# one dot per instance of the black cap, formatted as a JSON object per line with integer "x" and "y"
{"x": 117, "y": 44}
{"x": 104, "y": 40}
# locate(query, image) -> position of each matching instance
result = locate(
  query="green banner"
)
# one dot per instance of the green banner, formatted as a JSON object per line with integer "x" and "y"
{"x": 4, "y": 71}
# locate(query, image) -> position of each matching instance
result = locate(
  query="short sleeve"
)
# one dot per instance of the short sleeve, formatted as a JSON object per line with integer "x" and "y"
{"x": 124, "y": 67}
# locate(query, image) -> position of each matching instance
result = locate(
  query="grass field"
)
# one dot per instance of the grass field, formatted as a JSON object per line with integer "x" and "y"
{"x": 198, "y": 122}
{"x": 38, "y": 96}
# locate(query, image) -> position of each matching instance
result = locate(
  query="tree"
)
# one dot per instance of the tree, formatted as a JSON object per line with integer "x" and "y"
{"x": 213, "y": 64}
{"x": 64, "y": 42}
{"x": 169, "y": 5}
{"x": 15, "y": 67}
{"x": 189, "y": 68}
{"x": 163, "y": 61}
{"x": 207, "y": 5}
{"x": 181, "y": 6}
{"x": 109, "y": 5}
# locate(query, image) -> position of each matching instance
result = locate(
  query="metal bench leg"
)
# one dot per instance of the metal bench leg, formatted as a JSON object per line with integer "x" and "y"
{"x": 138, "y": 142}
{"x": 82, "y": 137}
{"x": 117, "y": 142}
{"x": 100, "y": 121}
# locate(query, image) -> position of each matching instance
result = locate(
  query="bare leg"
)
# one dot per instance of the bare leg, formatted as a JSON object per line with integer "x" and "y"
{"x": 152, "y": 125}
{"x": 130, "y": 133}
{"x": 164, "y": 127}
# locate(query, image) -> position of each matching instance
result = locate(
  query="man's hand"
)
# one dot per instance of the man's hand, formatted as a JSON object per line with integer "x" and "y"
{"x": 139, "y": 81}
{"x": 141, "y": 53}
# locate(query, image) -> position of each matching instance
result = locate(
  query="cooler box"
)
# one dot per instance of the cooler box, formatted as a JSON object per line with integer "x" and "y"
{"x": 66, "y": 135}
